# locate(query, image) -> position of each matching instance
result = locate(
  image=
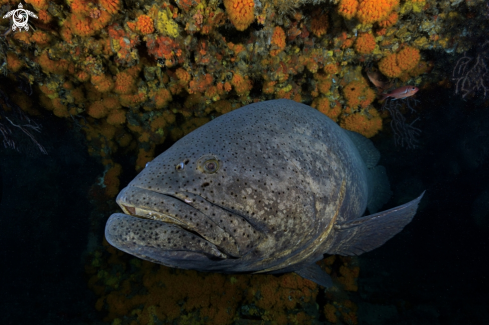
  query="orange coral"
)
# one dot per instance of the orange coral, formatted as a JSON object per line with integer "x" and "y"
{"x": 347, "y": 43}
{"x": 278, "y": 41}
{"x": 145, "y": 24}
{"x": 82, "y": 76}
{"x": 144, "y": 157}
{"x": 102, "y": 83}
{"x": 319, "y": 24}
{"x": 367, "y": 124}
{"x": 163, "y": 47}
{"x": 80, "y": 25}
{"x": 158, "y": 123}
{"x": 102, "y": 20}
{"x": 51, "y": 66}
{"x": 322, "y": 104}
{"x": 200, "y": 83}
{"x": 41, "y": 38}
{"x": 124, "y": 83}
{"x": 352, "y": 93}
{"x": 116, "y": 117}
{"x": 367, "y": 98}
{"x": 388, "y": 66}
{"x": 395, "y": 64}
{"x": 330, "y": 313}
{"x": 80, "y": 7}
{"x": 269, "y": 87}
{"x": 371, "y": 11}
{"x": 59, "y": 109}
{"x": 22, "y": 37}
{"x": 241, "y": 85}
{"x": 331, "y": 68}
{"x": 348, "y": 8}
{"x": 183, "y": 75}
{"x": 44, "y": 16}
{"x": 408, "y": 58}
{"x": 13, "y": 62}
{"x": 240, "y": 12}
{"x": 324, "y": 86}
{"x": 390, "y": 21}
{"x": 97, "y": 110}
{"x": 349, "y": 275}
{"x": 162, "y": 98}
{"x": 365, "y": 43}
{"x": 111, "y": 6}
{"x": 111, "y": 180}
{"x": 38, "y": 4}
{"x": 111, "y": 102}
{"x": 358, "y": 93}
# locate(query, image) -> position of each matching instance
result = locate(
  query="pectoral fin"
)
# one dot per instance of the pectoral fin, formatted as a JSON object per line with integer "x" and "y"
{"x": 364, "y": 234}
{"x": 314, "y": 273}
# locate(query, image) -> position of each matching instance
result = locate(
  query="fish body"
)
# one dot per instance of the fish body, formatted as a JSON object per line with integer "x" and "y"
{"x": 269, "y": 187}
{"x": 401, "y": 92}
{"x": 378, "y": 80}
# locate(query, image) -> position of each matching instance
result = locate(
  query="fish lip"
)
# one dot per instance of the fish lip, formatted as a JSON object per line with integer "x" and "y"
{"x": 133, "y": 211}
{"x": 168, "y": 208}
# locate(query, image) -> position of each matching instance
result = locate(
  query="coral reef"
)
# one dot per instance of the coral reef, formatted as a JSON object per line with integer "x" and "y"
{"x": 136, "y": 74}
{"x": 131, "y": 291}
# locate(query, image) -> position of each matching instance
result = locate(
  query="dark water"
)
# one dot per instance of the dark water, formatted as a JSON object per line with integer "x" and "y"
{"x": 433, "y": 272}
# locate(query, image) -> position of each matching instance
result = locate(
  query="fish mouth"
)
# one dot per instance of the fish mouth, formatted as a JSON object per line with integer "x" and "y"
{"x": 167, "y": 229}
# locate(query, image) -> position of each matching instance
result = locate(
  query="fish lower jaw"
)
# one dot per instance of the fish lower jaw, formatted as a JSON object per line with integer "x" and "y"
{"x": 161, "y": 217}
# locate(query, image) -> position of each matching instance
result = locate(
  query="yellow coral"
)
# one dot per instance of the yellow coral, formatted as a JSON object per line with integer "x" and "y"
{"x": 165, "y": 24}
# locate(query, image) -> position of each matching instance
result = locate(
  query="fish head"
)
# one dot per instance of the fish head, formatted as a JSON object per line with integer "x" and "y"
{"x": 411, "y": 90}
{"x": 189, "y": 207}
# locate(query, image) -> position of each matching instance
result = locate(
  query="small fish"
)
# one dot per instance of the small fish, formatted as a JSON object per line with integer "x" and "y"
{"x": 401, "y": 93}
{"x": 378, "y": 80}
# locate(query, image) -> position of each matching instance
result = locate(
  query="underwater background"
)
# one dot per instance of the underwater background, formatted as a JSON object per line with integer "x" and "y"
{"x": 95, "y": 89}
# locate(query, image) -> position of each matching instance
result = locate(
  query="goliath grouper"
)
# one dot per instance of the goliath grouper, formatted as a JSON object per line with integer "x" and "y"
{"x": 267, "y": 188}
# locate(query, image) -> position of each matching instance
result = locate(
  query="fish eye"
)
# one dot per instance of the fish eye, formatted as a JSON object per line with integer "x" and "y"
{"x": 180, "y": 166}
{"x": 210, "y": 166}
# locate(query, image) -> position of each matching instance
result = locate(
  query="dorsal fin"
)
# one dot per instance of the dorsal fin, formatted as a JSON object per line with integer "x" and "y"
{"x": 370, "y": 155}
